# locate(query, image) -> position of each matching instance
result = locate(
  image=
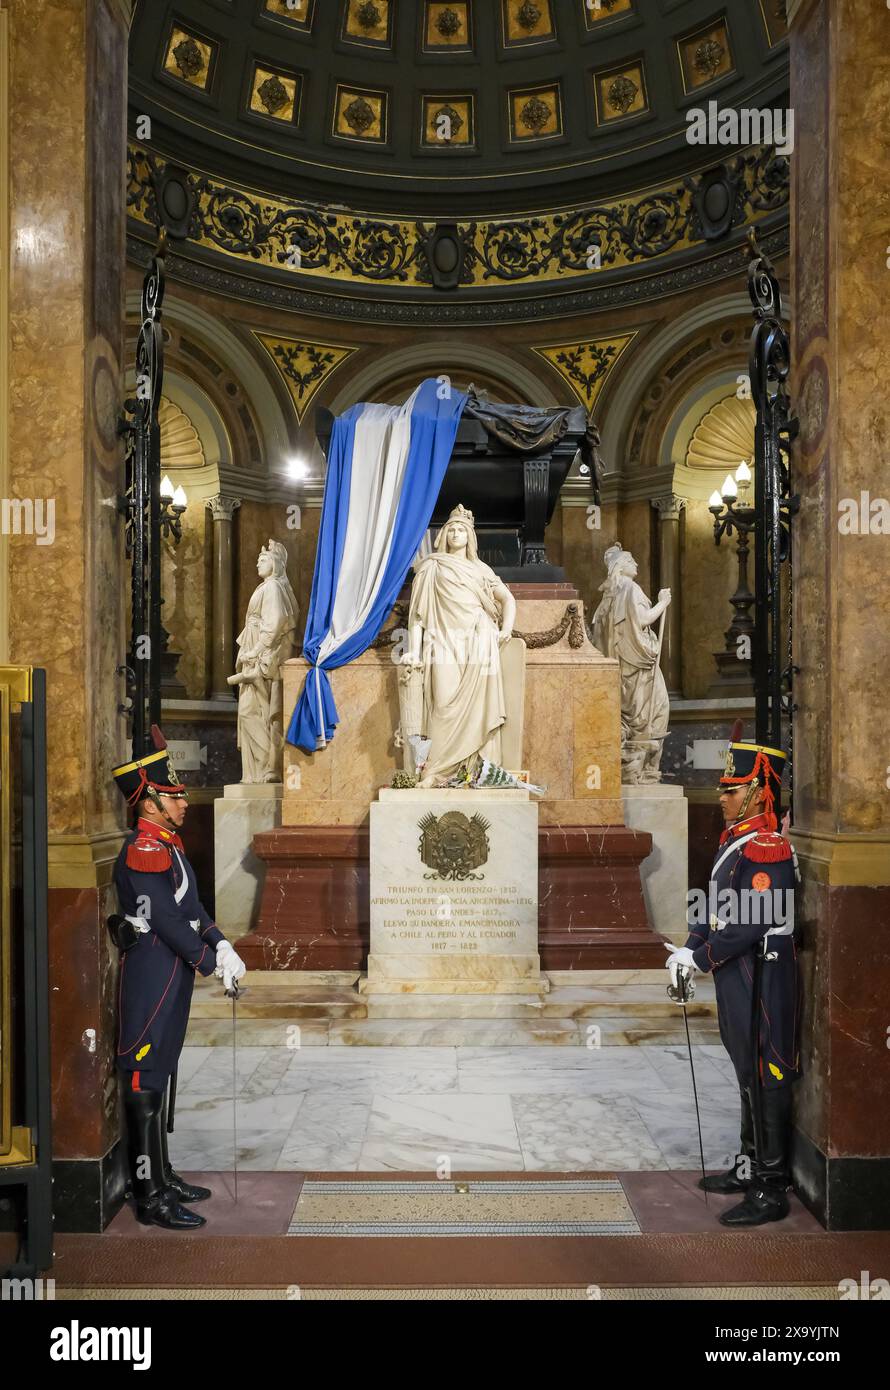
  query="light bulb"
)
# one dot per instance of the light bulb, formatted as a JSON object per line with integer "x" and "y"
{"x": 729, "y": 491}
{"x": 296, "y": 467}
{"x": 715, "y": 502}
{"x": 743, "y": 474}
{"x": 179, "y": 498}
{"x": 166, "y": 489}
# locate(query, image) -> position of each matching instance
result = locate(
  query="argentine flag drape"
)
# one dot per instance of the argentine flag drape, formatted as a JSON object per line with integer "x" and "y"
{"x": 385, "y": 468}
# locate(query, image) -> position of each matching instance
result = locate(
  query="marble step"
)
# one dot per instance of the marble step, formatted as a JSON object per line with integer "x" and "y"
{"x": 450, "y": 1032}
{"x": 649, "y": 1002}
{"x": 295, "y": 1003}
{"x": 266, "y": 997}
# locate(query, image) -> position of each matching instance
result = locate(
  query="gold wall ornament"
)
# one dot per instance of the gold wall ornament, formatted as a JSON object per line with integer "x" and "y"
{"x": 447, "y": 26}
{"x": 447, "y": 122}
{"x": 453, "y": 845}
{"x": 724, "y": 436}
{"x": 525, "y": 22}
{"x": 275, "y": 94}
{"x": 360, "y": 114}
{"x": 303, "y": 365}
{"x": 368, "y": 22}
{"x": 586, "y": 365}
{"x": 181, "y": 445}
{"x": 620, "y": 92}
{"x": 535, "y": 113}
{"x": 189, "y": 58}
{"x": 259, "y": 231}
{"x": 705, "y": 55}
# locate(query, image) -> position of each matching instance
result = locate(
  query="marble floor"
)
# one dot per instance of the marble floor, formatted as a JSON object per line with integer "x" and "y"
{"x": 443, "y": 1109}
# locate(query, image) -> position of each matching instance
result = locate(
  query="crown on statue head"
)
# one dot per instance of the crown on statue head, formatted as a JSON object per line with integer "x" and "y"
{"x": 460, "y": 513}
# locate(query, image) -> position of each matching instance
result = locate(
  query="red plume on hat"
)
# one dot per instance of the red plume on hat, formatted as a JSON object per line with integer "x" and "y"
{"x": 735, "y": 734}
{"x": 157, "y": 738}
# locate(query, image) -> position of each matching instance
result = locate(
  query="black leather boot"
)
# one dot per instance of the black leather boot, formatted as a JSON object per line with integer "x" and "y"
{"x": 182, "y": 1190}
{"x": 156, "y": 1204}
{"x": 766, "y": 1198}
{"x": 738, "y": 1177}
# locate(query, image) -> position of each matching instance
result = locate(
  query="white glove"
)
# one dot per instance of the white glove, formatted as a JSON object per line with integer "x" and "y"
{"x": 229, "y": 965}
{"x": 680, "y": 959}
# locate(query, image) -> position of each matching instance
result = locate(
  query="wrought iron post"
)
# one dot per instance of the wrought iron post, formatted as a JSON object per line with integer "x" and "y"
{"x": 774, "y": 506}
{"x": 141, "y": 507}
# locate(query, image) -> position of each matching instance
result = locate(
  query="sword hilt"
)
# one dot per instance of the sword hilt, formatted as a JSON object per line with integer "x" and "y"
{"x": 684, "y": 990}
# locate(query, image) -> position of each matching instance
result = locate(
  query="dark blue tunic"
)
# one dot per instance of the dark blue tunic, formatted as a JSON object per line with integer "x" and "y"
{"x": 751, "y": 896}
{"x": 158, "y": 892}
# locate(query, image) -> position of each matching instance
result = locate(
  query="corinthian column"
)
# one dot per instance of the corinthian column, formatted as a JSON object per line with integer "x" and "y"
{"x": 669, "y": 509}
{"x": 222, "y": 509}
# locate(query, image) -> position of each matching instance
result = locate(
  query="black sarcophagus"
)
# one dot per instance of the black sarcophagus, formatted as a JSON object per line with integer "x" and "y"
{"x": 507, "y": 466}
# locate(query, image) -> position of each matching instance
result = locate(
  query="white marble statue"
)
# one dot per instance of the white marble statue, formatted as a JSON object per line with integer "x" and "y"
{"x": 265, "y": 643}
{"x": 453, "y": 687}
{"x": 622, "y": 628}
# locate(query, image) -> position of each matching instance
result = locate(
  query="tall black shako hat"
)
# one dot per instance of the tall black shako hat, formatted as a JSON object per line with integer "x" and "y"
{"x": 152, "y": 772}
{"x": 754, "y": 762}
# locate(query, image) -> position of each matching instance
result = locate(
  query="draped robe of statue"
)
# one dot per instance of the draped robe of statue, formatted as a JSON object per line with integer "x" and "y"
{"x": 452, "y": 599}
{"x": 264, "y": 644}
{"x": 619, "y": 632}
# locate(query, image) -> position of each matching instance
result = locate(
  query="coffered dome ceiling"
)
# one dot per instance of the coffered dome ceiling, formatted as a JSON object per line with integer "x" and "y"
{"x": 459, "y": 112}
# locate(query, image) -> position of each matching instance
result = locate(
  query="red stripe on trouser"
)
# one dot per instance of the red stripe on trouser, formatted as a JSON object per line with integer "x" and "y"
{"x": 136, "y": 1086}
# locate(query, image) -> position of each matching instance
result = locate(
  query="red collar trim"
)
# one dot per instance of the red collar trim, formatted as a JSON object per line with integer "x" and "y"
{"x": 743, "y": 827}
{"x": 148, "y": 829}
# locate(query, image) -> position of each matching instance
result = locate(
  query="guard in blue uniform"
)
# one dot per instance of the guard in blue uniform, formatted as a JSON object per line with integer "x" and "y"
{"x": 748, "y": 944}
{"x": 165, "y": 935}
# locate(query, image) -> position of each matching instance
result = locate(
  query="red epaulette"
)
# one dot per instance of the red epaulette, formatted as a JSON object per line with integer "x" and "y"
{"x": 148, "y": 856}
{"x": 768, "y": 848}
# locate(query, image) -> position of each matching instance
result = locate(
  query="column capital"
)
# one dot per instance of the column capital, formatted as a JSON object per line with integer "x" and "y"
{"x": 669, "y": 507}
{"x": 222, "y": 508}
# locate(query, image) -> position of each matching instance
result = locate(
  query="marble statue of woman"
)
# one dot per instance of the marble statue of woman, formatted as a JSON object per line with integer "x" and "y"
{"x": 460, "y": 616}
{"x": 622, "y": 628}
{"x": 266, "y": 642}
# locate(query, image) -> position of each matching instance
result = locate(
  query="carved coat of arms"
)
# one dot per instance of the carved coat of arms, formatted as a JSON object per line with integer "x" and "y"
{"x": 453, "y": 845}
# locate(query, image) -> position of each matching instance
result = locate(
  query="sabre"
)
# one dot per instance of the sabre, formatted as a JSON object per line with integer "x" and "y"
{"x": 234, "y": 994}
{"x": 755, "y": 1090}
{"x": 682, "y": 993}
{"x": 171, "y": 1098}
{"x": 656, "y": 664}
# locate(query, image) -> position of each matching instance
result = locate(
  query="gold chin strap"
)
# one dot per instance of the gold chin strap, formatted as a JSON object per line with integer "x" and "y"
{"x": 744, "y": 811}
{"x": 156, "y": 798}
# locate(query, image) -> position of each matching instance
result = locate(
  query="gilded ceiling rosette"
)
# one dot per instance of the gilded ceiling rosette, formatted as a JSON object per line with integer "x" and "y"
{"x": 189, "y": 58}
{"x": 705, "y": 55}
{"x": 447, "y": 26}
{"x": 526, "y": 22}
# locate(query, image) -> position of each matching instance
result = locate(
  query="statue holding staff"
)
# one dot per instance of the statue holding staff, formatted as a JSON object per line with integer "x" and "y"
{"x": 622, "y": 628}
{"x": 264, "y": 645}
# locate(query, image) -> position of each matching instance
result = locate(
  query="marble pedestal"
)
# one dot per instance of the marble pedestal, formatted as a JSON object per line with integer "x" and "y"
{"x": 243, "y": 810}
{"x": 662, "y": 809}
{"x": 454, "y": 893}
